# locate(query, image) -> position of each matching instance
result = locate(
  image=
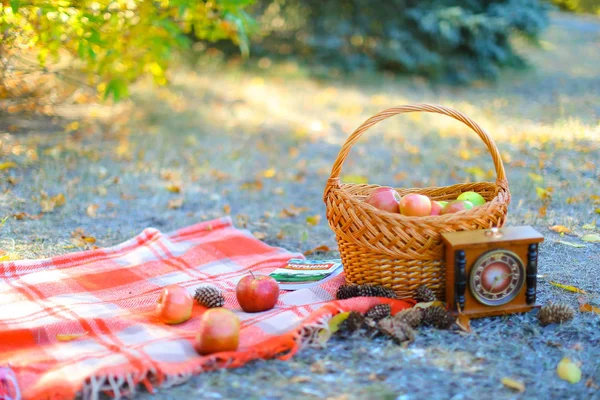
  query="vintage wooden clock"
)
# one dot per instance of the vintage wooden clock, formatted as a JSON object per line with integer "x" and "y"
{"x": 491, "y": 272}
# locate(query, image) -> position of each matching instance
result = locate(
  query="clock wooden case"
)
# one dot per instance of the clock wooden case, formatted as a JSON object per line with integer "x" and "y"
{"x": 491, "y": 272}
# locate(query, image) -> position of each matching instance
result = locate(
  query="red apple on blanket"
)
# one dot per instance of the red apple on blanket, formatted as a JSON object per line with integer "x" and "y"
{"x": 436, "y": 207}
{"x": 219, "y": 331}
{"x": 174, "y": 305}
{"x": 456, "y": 206}
{"x": 415, "y": 205}
{"x": 257, "y": 293}
{"x": 384, "y": 198}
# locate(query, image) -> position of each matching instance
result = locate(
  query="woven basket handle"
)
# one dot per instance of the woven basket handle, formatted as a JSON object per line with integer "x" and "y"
{"x": 339, "y": 162}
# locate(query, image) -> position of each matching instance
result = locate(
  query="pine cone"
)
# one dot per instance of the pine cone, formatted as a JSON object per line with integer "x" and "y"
{"x": 349, "y": 291}
{"x": 424, "y": 295}
{"x": 379, "y": 311}
{"x": 411, "y": 317}
{"x": 398, "y": 331}
{"x": 209, "y": 296}
{"x": 555, "y": 314}
{"x": 353, "y": 323}
{"x": 437, "y": 317}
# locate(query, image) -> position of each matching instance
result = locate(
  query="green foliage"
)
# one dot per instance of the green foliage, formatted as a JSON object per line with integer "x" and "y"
{"x": 579, "y": 6}
{"x": 460, "y": 40}
{"x": 118, "y": 41}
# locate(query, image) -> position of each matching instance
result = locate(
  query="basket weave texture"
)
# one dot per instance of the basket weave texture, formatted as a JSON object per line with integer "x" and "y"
{"x": 397, "y": 251}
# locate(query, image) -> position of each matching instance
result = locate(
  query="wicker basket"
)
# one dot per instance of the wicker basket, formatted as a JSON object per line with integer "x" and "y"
{"x": 396, "y": 251}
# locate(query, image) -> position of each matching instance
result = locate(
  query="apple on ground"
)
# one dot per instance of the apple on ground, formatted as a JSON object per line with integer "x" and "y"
{"x": 475, "y": 198}
{"x": 219, "y": 331}
{"x": 384, "y": 198}
{"x": 456, "y": 206}
{"x": 174, "y": 305}
{"x": 415, "y": 205}
{"x": 256, "y": 293}
{"x": 436, "y": 207}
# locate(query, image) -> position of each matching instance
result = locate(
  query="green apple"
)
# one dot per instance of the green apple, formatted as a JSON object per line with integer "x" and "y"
{"x": 475, "y": 198}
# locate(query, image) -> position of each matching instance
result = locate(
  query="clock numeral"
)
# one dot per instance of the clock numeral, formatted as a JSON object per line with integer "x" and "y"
{"x": 532, "y": 257}
{"x": 460, "y": 262}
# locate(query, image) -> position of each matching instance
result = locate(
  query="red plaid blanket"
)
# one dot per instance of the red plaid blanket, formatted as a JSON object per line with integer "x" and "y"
{"x": 104, "y": 299}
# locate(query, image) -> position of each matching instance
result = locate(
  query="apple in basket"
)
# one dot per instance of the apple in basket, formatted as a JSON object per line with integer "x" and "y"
{"x": 174, "y": 305}
{"x": 415, "y": 205}
{"x": 436, "y": 207}
{"x": 456, "y": 206}
{"x": 475, "y": 198}
{"x": 219, "y": 331}
{"x": 256, "y": 293}
{"x": 384, "y": 198}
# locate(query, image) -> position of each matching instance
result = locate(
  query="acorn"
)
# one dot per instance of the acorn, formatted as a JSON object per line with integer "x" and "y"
{"x": 424, "y": 295}
{"x": 209, "y": 296}
{"x": 437, "y": 317}
{"x": 349, "y": 291}
{"x": 555, "y": 314}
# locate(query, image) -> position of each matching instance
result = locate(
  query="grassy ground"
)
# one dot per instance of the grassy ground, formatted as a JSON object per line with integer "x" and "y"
{"x": 253, "y": 142}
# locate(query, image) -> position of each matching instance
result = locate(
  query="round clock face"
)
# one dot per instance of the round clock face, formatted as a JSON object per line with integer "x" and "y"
{"x": 497, "y": 277}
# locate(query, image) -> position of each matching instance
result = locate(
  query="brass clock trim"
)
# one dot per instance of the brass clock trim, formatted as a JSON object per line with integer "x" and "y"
{"x": 478, "y": 264}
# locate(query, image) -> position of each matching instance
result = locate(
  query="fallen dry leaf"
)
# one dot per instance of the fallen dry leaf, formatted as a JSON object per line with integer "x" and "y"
{"x": 300, "y": 379}
{"x": 227, "y": 209}
{"x": 464, "y": 322}
{"x": 542, "y": 211}
{"x": 67, "y": 337}
{"x": 559, "y": 229}
{"x": 597, "y": 210}
{"x": 7, "y": 165}
{"x": 269, "y": 173}
{"x": 536, "y": 177}
{"x": 173, "y": 188}
{"x": 568, "y": 287}
{"x": 577, "y": 245}
{"x": 259, "y": 235}
{"x": 514, "y": 384}
{"x": 313, "y": 220}
{"x": 318, "y": 367}
{"x": 590, "y": 226}
{"x": 50, "y": 203}
{"x": 589, "y": 383}
{"x": 80, "y": 239}
{"x": 252, "y": 185}
{"x": 175, "y": 203}
{"x": 569, "y": 371}
{"x": 591, "y": 237}
{"x": 23, "y": 215}
{"x": 584, "y": 306}
{"x": 292, "y": 211}
{"x": 429, "y": 304}
{"x": 321, "y": 248}
{"x": 280, "y": 235}
{"x": 92, "y": 210}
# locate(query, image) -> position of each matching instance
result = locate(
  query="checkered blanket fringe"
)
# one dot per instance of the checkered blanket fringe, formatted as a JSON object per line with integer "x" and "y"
{"x": 103, "y": 301}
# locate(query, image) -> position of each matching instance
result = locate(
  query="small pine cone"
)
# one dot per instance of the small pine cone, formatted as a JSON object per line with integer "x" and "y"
{"x": 209, "y": 296}
{"x": 411, "y": 317}
{"x": 437, "y": 317}
{"x": 555, "y": 314}
{"x": 398, "y": 331}
{"x": 353, "y": 323}
{"x": 349, "y": 291}
{"x": 379, "y": 311}
{"x": 424, "y": 294}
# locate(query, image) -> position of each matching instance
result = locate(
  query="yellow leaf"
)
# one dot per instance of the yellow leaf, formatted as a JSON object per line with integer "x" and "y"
{"x": 67, "y": 337}
{"x": 591, "y": 226}
{"x": 7, "y": 165}
{"x": 465, "y": 154}
{"x": 173, "y": 188}
{"x": 576, "y": 245}
{"x": 429, "y": 304}
{"x": 269, "y": 173}
{"x": 48, "y": 204}
{"x": 568, "y": 287}
{"x": 227, "y": 209}
{"x": 569, "y": 371}
{"x": 8, "y": 256}
{"x": 92, "y": 210}
{"x": 559, "y": 229}
{"x": 586, "y": 307}
{"x": 544, "y": 194}
{"x": 464, "y": 322}
{"x": 175, "y": 203}
{"x": 336, "y": 320}
{"x": 360, "y": 179}
{"x": 513, "y": 384}
{"x": 313, "y": 220}
{"x": 591, "y": 237}
{"x": 478, "y": 173}
{"x": 535, "y": 177}
{"x": 259, "y": 235}
{"x": 597, "y": 210}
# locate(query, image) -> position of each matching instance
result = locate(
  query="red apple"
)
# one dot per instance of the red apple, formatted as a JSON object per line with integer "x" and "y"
{"x": 436, "y": 207}
{"x": 174, "y": 305}
{"x": 415, "y": 205}
{"x": 384, "y": 198}
{"x": 456, "y": 206}
{"x": 257, "y": 293}
{"x": 219, "y": 331}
